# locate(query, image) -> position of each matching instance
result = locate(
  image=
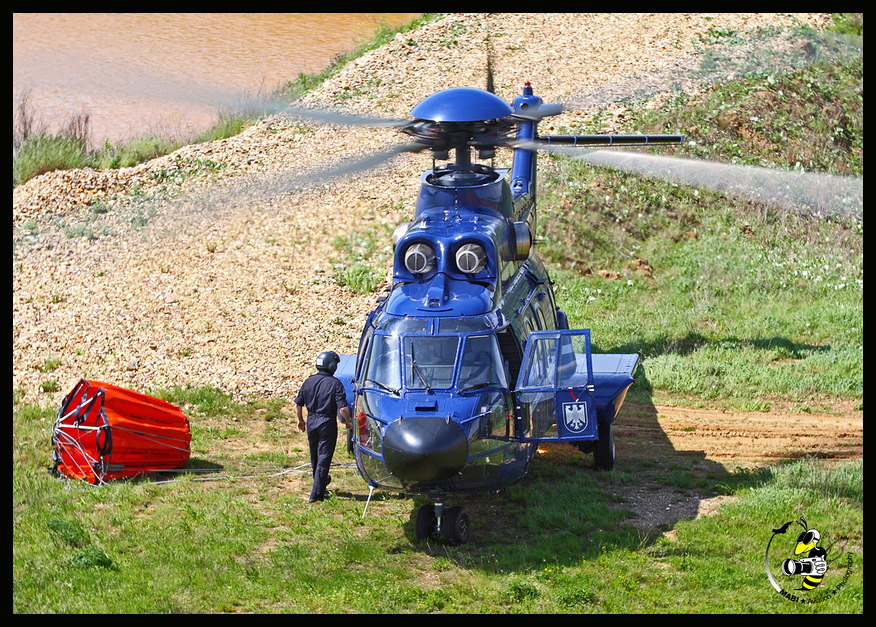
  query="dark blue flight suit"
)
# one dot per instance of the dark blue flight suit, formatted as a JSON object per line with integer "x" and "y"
{"x": 323, "y": 395}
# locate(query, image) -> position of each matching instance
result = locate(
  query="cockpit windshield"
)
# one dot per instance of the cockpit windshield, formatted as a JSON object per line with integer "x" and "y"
{"x": 419, "y": 360}
{"x": 430, "y": 360}
{"x": 482, "y": 363}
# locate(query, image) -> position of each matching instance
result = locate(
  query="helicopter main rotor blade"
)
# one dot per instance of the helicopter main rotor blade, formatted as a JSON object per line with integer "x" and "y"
{"x": 370, "y": 162}
{"x": 260, "y": 106}
{"x": 761, "y": 53}
{"x": 607, "y": 140}
{"x": 337, "y": 118}
{"x": 209, "y": 205}
{"x": 267, "y": 187}
{"x": 811, "y": 191}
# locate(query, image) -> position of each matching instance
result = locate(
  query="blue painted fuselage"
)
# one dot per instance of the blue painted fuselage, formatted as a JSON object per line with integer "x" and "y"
{"x": 441, "y": 397}
{"x": 462, "y": 429}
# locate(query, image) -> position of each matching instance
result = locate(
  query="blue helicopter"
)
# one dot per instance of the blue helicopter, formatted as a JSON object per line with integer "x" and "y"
{"x": 467, "y": 364}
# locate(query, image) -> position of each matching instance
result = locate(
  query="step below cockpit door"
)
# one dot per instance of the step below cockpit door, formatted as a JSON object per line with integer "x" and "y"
{"x": 555, "y": 388}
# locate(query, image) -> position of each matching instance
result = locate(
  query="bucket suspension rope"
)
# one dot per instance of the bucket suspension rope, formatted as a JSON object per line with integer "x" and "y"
{"x": 68, "y": 436}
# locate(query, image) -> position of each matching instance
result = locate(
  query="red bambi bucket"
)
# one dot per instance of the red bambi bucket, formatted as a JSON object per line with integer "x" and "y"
{"x": 104, "y": 432}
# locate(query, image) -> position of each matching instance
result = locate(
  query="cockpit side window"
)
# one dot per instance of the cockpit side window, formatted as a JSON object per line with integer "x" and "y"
{"x": 542, "y": 368}
{"x": 384, "y": 364}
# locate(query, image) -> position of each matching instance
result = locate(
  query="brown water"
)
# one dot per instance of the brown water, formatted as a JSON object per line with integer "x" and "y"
{"x": 141, "y": 73}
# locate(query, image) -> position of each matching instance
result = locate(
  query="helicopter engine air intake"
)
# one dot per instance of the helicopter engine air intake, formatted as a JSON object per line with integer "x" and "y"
{"x": 471, "y": 258}
{"x": 419, "y": 258}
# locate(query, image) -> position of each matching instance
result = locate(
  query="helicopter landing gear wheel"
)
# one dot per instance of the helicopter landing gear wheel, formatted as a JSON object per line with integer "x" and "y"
{"x": 426, "y": 523}
{"x": 604, "y": 453}
{"x": 456, "y": 526}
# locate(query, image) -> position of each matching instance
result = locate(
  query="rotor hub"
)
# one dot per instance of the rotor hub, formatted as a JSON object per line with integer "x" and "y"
{"x": 462, "y": 104}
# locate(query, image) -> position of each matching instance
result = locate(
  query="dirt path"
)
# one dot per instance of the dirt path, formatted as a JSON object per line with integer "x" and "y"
{"x": 679, "y": 453}
{"x": 740, "y": 438}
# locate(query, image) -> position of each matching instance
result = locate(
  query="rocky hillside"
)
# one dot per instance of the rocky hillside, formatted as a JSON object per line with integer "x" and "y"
{"x": 208, "y": 267}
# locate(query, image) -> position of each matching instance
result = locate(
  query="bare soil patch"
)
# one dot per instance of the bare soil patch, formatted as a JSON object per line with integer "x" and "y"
{"x": 741, "y": 438}
{"x": 710, "y": 442}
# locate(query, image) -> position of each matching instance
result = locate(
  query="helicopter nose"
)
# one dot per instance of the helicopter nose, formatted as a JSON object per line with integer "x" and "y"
{"x": 424, "y": 448}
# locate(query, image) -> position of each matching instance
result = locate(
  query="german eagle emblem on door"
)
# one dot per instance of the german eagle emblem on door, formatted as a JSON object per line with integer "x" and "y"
{"x": 575, "y": 416}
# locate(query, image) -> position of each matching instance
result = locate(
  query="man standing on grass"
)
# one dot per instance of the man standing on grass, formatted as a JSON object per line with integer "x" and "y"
{"x": 324, "y": 397}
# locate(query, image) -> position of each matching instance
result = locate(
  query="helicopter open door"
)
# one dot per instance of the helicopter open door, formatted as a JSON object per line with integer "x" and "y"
{"x": 555, "y": 387}
{"x": 560, "y": 396}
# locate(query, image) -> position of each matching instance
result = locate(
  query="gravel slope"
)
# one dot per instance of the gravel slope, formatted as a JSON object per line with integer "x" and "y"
{"x": 129, "y": 277}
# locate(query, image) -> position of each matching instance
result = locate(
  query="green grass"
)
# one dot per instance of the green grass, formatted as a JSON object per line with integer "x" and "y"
{"x": 362, "y": 259}
{"x": 241, "y": 539}
{"x": 43, "y": 152}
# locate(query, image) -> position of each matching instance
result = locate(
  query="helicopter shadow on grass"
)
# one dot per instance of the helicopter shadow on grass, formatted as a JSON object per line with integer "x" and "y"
{"x": 695, "y": 341}
{"x": 567, "y": 509}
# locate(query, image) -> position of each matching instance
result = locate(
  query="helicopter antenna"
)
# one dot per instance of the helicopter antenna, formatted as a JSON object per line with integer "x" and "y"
{"x": 491, "y": 87}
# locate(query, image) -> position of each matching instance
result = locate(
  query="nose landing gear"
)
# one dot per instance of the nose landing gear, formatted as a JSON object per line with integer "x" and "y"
{"x": 433, "y": 521}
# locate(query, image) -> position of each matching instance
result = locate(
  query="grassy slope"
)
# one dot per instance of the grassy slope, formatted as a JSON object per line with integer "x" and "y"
{"x": 725, "y": 300}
